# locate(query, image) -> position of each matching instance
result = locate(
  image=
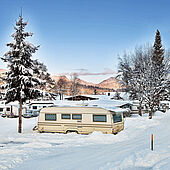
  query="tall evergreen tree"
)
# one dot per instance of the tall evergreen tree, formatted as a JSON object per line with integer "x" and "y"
{"x": 156, "y": 76}
{"x": 158, "y": 53}
{"x": 157, "y": 73}
{"x": 22, "y": 76}
{"x": 41, "y": 73}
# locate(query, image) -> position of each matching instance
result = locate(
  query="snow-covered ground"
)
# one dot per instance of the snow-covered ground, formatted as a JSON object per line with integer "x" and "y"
{"x": 129, "y": 149}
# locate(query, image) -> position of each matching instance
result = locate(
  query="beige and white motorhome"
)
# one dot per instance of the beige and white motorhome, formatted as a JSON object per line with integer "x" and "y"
{"x": 83, "y": 120}
{"x": 135, "y": 107}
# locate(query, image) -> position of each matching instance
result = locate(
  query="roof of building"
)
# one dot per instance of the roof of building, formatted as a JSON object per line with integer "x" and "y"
{"x": 80, "y": 97}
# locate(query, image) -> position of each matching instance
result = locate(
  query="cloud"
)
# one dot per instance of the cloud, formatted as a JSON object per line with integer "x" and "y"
{"x": 85, "y": 72}
{"x": 81, "y": 70}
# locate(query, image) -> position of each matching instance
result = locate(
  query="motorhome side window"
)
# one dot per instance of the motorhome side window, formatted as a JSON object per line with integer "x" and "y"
{"x": 117, "y": 118}
{"x": 65, "y": 116}
{"x": 1, "y": 109}
{"x": 99, "y": 118}
{"x": 8, "y": 109}
{"x": 141, "y": 107}
{"x": 51, "y": 117}
{"x": 34, "y": 107}
{"x": 76, "y": 116}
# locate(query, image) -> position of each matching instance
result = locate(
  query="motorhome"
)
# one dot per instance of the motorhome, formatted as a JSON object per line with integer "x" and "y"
{"x": 2, "y": 107}
{"x": 13, "y": 110}
{"x": 164, "y": 106}
{"x": 83, "y": 120}
{"x": 135, "y": 107}
{"x": 37, "y": 105}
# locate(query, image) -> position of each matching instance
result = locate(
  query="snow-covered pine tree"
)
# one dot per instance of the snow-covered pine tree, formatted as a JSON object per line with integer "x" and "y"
{"x": 156, "y": 76}
{"x": 158, "y": 61}
{"x": 41, "y": 73}
{"x": 21, "y": 80}
{"x": 158, "y": 53}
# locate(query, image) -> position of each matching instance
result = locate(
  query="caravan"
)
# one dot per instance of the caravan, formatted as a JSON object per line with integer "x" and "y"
{"x": 37, "y": 105}
{"x": 135, "y": 107}
{"x": 2, "y": 108}
{"x": 83, "y": 120}
{"x": 12, "y": 110}
{"x": 164, "y": 106}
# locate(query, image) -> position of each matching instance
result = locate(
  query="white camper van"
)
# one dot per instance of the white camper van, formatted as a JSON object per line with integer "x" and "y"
{"x": 37, "y": 105}
{"x": 83, "y": 120}
{"x": 164, "y": 106}
{"x": 2, "y": 107}
{"x": 13, "y": 110}
{"x": 135, "y": 107}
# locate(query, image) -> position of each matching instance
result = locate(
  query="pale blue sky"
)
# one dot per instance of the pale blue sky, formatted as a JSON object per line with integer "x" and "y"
{"x": 86, "y": 34}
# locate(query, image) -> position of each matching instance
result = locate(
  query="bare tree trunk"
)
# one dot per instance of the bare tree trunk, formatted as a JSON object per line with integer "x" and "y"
{"x": 140, "y": 108}
{"x": 151, "y": 113}
{"x": 20, "y": 116}
{"x": 140, "y": 111}
{"x": 60, "y": 96}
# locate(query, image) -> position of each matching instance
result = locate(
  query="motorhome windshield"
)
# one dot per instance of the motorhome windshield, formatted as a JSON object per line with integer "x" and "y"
{"x": 117, "y": 118}
{"x": 29, "y": 111}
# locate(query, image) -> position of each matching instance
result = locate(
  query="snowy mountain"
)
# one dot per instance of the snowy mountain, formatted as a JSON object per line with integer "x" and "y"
{"x": 56, "y": 78}
{"x": 110, "y": 83}
{"x": 82, "y": 82}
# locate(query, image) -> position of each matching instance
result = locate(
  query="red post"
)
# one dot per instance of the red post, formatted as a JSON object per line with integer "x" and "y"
{"x": 152, "y": 142}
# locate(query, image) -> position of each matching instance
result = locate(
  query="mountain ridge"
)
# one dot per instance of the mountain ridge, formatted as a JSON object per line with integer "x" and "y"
{"x": 110, "y": 83}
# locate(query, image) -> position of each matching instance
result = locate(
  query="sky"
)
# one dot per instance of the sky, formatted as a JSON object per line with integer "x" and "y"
{"x": 86, "y": 36}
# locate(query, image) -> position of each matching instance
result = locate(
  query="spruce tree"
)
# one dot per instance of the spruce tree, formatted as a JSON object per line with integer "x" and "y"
{"x": 158, "y": 67}
{"x": 157, "y": 76}
{"x": 158, "y": 53}
{"x": 22, "y": 76}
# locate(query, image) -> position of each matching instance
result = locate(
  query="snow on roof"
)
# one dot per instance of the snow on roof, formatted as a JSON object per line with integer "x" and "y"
{"x": 116, "y": 109}
{"x": 165, "y": 102}
{"x": 103, "y": 102}
{"x": 13, "y": 103}
{"x": 81, "y": 97}
{"x": 112, "y": 109}
{"x": 42, "y": 102}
